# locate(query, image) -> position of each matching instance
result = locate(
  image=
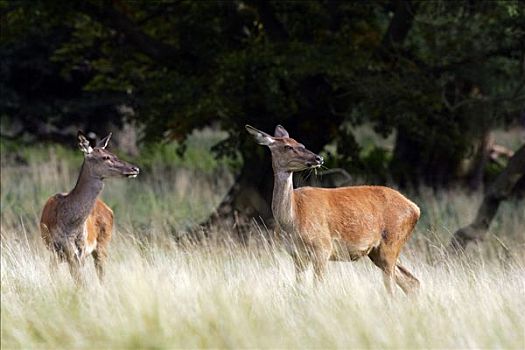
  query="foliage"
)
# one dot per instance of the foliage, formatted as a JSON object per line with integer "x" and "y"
{"x": 458, "y": 75}
{"x": 163, "y": 293}
{"x": 448, "y": 73}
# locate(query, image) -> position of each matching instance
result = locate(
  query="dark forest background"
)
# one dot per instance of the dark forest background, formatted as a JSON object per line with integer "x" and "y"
{"x": 438, "y": 76}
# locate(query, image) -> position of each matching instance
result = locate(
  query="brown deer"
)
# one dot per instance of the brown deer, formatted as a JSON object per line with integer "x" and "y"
{"x": 340, "y": 224}
{"x": 76, "y": 224}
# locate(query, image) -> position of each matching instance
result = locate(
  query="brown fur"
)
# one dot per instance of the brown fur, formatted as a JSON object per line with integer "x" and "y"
{"x": 99, "y": 226}
{"x": 78, "y": 224}
{"x": 345, "y": 223}
{"x": 364, "y": 220}
{"x": 359, "y": 216}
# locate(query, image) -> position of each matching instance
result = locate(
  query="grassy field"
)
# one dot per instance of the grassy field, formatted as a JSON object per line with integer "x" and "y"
{"x": 160, "y": 294}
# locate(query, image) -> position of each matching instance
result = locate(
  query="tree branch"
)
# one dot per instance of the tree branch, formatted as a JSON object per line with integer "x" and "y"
{"x": 272, "y": 26}
{"x": 514, "y": 96}
{"x": 399, "y": 26}
{"x": 39, "y": 129}
{"x": 106, "y": 14}
{"x": 499, "y": 190}
{"x": 336, "y": 17}
{"x": 502, "y": 51}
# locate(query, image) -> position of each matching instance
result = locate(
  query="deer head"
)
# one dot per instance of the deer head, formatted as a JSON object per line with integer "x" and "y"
{"x": 287, "y": 154}
{"x": 101, "y": 162}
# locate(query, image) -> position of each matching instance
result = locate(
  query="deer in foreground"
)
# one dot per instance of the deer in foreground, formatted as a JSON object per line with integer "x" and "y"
{"x": 76, "y": 224}
{"x": 338, "y": 224}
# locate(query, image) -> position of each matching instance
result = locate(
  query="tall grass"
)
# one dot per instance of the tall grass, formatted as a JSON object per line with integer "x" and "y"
{"x": 219, "y": 293}
{"x": 163, "y": 296}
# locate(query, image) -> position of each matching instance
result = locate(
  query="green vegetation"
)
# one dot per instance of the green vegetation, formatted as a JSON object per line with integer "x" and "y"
{"x": 406, "y": 93}
{"x": 436, "y": 75}
{"x": 162, "y": 291}
{"x": 166, "y": 197}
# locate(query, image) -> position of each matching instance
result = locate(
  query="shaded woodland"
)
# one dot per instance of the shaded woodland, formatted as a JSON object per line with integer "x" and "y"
{"x": 439, "y": 75}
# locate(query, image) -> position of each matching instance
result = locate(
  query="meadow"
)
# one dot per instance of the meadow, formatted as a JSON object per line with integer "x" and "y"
{"x": 163, "y": 291}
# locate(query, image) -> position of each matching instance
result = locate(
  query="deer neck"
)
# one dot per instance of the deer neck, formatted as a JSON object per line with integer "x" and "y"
{"x": 81, "y": 200}
{"x": 282, "y": 201}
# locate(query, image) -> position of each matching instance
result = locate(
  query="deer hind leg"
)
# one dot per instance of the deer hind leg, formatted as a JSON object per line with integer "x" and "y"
{"x": 104, "y": 227}
{"x": 53, "y": 263}
{"x": 99, "y": 257}
{"x": 404, "y": 279}
{"x": 319, "y": 268}
{"x": 54, "y": 249}
{"x": 388, "y": 281}
{"x": 384, "y": 258}
{"x": 301, "y": 263}
{"x": 74, "y": 269}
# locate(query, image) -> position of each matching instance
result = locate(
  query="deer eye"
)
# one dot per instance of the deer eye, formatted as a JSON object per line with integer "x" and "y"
{"x": 286, "y": 147}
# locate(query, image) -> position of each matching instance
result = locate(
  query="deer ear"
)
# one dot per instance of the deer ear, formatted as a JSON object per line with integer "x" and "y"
{"x": 280, "y": 131}
{"x": 260, "y": 137}
{"x": 104, "y": 142}
{"x": 83, "y": 143}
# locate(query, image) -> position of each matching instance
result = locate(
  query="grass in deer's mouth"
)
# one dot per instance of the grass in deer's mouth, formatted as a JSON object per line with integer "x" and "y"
{"x": 223, "y": 295}
{"x": 164, "y": 296}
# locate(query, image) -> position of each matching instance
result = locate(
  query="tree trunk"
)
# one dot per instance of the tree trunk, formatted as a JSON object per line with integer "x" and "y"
{"x": 434, "y": 161}
{"x": 499, "y": 190}
{"x": 480, "y": 161}
{"x": 250, "y": 196}
{"x": 407, "y": 155}
{"x": 399, "y": 26}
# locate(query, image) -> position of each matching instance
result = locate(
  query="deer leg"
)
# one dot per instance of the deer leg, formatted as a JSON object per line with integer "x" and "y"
{"x": 74, "y": 269}
{"x": 73, "y": 260}
{"x": 319, "y": 269}
{"x": 388, "y": 281}
{"x": 99, "y": 257}
{"x": 300, "y": 263}
{"x": 383, "y": 259}
{"x": 53, "y": 263}
{"x": 404, "y": 279}
{"x": 320, "y": 258}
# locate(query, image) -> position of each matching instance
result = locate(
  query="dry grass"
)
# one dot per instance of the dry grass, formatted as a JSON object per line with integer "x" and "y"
{"x": 162, "y": 295}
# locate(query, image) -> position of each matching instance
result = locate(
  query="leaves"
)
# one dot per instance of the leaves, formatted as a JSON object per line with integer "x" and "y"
{"x": 186, "y": 64}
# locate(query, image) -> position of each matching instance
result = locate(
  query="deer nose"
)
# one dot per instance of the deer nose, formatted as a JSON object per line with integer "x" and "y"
{"x": 319, "y": 159}
{"x": 135, "y": 169}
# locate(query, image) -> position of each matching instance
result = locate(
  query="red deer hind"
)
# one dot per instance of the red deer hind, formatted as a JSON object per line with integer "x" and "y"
{"x": 76, "y": 224}
{"x": 320, "y": 224}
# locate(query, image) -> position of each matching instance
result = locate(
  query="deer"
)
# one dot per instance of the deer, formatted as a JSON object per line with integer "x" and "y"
{"x": 318, "y": 225}
{"x": 77, "y": 224}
